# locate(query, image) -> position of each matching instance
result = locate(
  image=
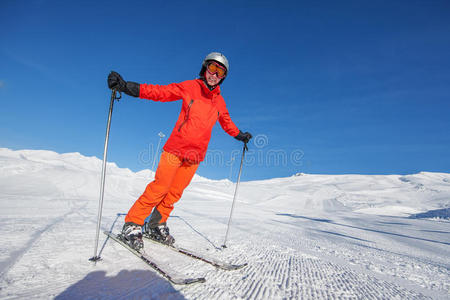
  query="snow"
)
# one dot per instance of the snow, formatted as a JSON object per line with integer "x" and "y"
{"x": 304, "y": 237}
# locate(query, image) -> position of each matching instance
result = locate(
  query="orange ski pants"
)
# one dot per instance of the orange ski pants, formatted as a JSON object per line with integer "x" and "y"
{"x": 172, "y": 176}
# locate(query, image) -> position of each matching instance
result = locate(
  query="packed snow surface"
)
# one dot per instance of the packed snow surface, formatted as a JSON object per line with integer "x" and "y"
{"x": 304, "y": 237}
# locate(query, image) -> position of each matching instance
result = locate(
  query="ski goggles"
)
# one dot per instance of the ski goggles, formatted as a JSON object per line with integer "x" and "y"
{"x": 215, "y": 68}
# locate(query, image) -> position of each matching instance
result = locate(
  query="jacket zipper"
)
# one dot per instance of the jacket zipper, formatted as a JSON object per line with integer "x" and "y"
{"x": 186, "y": 117}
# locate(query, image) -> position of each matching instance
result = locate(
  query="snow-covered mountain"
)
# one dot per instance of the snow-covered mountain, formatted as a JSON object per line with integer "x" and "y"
{"x": 304, "y": 237}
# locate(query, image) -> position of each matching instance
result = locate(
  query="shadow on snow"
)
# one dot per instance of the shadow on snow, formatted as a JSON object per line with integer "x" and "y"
{"x": 362, "y": 228}
{"x": 443, "y": 213}
{"x": 135, "y": 284}
{"x": 343, "y": 235}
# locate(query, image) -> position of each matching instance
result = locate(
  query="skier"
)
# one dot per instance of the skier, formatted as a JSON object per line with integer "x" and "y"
{"x": 186, "y": 147}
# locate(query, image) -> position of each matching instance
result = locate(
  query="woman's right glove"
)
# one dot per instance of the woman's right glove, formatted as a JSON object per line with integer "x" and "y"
{"x": 243, "y": 136}
{"x": 115, "y": 81}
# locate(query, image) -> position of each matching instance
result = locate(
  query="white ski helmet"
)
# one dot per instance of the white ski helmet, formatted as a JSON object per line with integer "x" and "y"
{"x": 218, "y": 57}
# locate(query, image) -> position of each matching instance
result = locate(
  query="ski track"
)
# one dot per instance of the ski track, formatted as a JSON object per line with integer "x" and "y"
{"x": 276, "y": 271}
{"x": 278, "y": 275}
{"x": 15, "y": 256}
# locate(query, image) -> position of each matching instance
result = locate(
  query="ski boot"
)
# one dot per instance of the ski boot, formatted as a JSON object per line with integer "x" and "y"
{"x": 159, "y": 233}
{"x": 132, "y": 235}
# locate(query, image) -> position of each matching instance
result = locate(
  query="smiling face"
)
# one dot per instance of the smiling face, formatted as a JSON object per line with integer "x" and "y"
{"x": 212, "y": 80}
{"x": 213, "y": 70}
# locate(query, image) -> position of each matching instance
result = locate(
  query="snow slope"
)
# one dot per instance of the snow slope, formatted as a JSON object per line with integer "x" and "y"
{"x": 304, "y": 237}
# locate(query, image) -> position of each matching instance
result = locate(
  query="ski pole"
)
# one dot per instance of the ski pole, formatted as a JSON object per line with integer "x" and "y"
{"x": 235, "y": 195}
{"x": 161, "y": 136}
{"x": 102, "y": 184}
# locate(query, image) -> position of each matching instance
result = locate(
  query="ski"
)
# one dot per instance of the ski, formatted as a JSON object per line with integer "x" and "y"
{"x": 164, "y": 271}
{"x": 191, "y": 253}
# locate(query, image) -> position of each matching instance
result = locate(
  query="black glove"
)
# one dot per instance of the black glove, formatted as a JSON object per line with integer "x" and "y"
{"x": 115, "y": 81}
{"x": 243, "y": 136}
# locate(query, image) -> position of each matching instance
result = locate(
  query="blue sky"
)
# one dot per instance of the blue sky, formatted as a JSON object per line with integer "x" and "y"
{"x": 329, "y": 87}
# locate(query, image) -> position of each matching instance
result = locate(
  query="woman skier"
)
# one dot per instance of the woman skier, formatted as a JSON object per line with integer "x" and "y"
{"x": 186, "y": 147}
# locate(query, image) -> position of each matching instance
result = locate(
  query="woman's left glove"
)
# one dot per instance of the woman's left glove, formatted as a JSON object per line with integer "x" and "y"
{"x": 115, "y": 81}
{"x": 243, "y": 136}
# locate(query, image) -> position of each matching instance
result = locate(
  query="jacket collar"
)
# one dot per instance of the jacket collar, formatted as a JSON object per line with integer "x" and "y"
{"x": 206, "y": 90}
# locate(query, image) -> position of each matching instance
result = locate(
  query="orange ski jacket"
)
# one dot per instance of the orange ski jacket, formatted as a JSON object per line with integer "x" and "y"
{"x": 200, "y": 110}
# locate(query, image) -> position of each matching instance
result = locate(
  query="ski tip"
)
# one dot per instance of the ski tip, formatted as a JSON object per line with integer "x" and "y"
{"x": 202, "y": 280}
{"x": 189, "y": 281}
{"x": 237, "y": 267}
{"x": 95, "y": 259}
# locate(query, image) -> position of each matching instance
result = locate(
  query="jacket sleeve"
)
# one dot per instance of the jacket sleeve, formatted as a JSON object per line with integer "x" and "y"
{"x": 163, "y": 93}
{"x": 226, "y": 122}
